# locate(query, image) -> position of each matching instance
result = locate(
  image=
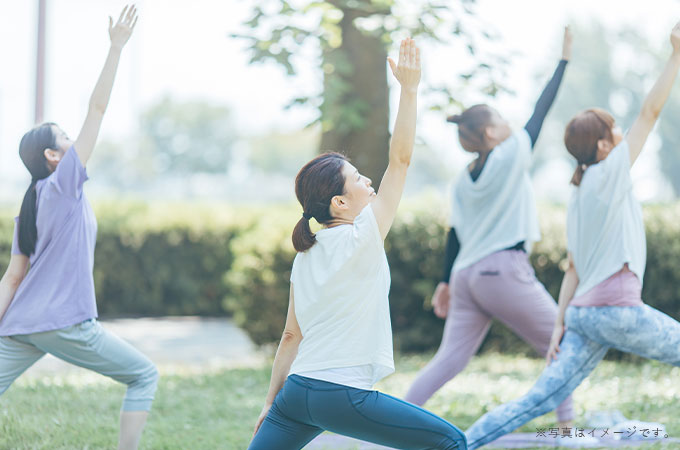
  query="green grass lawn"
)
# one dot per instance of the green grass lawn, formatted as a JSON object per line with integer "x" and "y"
{"x": 218, "y": 410}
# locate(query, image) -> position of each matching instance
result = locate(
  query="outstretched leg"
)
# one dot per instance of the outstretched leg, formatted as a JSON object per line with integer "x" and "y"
{"x": 382, "y": 419}
{"x": 465, "y": 329}
{"x": 88, "y": 345}
{"x": 522, "y": 303}
{"x": 577, "y": 358}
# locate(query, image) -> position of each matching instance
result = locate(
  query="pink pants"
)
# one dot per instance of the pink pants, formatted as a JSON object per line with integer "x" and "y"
{"x": 503, "y": 286}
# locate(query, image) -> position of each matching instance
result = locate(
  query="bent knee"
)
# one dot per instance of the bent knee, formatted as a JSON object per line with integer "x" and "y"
{"x": 455, "y": 439}
{"x": 147, "y": 378}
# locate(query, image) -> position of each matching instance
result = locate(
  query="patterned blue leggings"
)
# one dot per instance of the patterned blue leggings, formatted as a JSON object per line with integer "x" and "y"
{"x": 305, "y": 407}
{"x": 591, "y": 331}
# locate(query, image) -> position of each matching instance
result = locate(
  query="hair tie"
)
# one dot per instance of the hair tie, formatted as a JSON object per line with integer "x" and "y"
{"x": 584, "y": 167}
{"x": 307, "y": 215}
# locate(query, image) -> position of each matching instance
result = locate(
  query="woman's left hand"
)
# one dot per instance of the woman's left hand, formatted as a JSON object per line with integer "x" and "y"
{"x": 263, "y": 414}
{"x": 121, "y": 32}
{"x": 566, "y": 43}
{"x": 555, "y": 340}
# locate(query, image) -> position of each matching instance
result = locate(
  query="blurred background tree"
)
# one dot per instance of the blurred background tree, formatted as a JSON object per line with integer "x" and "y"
{"x": 614, "y": 70}
{"x": 351, "y": 38}
{"x": 187, "y": 136}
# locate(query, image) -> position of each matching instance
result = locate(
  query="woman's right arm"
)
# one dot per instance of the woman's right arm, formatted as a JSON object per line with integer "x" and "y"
{"x": 653, "y": 104}
{"x": 567, "y": 290}
{"x": 14, "y": 275}
{"x": 401, "y": 147}
{"x": 440, "y": 298}
{"x": 285, "y": 355}
{"x": 549, "y": 93}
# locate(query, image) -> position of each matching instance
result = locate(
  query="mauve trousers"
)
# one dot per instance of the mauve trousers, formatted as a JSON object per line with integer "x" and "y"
{"x": 503, "y": 286}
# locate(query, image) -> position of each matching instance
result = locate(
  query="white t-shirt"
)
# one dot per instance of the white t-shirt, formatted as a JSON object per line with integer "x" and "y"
{"x": 604, "y": 222}
{"x": 497, "y": 210}
{"x": 340, "y": 287}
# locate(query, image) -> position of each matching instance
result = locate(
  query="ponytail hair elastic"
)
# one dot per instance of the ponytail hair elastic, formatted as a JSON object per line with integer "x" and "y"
{"x": 306, "y": 215}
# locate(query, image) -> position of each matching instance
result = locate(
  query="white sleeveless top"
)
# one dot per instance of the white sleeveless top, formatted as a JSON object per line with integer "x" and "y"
{"x": 605, "y": 229}
{"x": 498, "y": 210}
{"x": 340, "y": 289}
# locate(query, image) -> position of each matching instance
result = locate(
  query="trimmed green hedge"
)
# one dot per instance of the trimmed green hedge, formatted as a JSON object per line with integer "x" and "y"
{"x": 219, "y": 260}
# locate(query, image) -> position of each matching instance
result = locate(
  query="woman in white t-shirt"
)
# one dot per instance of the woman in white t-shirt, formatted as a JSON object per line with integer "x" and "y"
{"x": 601, "y": 290}
{"x": 337, "y": 341}
{"x": 493, "y": 223}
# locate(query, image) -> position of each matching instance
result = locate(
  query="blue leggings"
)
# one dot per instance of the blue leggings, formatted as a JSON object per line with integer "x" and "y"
{"x": 305, "y": 407}
{"x": 591, "y": 331}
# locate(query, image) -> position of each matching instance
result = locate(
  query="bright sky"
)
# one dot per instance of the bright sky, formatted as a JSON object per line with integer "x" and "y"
{"x": 183, "y": 49}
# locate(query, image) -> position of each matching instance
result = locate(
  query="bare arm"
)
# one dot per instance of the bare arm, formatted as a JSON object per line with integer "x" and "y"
{"x": 285, "y": 355}
{"x": 567, "y": 290}
{"x": 119, "y": 34}
{"x": 653, "y": 104}
{"x": 14, "y": 275}
{"x": 401, "y": 147}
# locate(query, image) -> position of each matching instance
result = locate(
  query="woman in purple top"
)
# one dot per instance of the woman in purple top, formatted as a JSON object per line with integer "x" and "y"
{"x": 51, "y": 308}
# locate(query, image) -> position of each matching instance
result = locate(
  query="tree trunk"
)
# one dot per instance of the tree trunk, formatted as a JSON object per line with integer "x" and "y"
{"x": 355, "y": 110}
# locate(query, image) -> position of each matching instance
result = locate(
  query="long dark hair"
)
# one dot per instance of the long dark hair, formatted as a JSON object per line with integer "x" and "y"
{"x": 471, "y": 125}
{"x": 32, "y": 153}
{"x": 316, "y": 184}
{"x": 582, "y": 135}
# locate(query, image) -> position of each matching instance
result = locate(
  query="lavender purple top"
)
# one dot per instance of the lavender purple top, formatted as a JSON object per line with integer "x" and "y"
{"x": 58, "y": 290}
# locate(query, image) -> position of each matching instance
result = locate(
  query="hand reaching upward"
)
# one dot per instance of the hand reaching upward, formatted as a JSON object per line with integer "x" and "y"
{"x": 122, "y": 30}
{"x": 675, "y": 38}
{"x": 407, "y": 72}
{"x": 566, "y": 43}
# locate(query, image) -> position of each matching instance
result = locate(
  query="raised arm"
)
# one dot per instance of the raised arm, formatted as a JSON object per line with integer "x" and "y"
{"x": 549, "y": 93}
{"x": 407, "y": 72}
{"x": 285, "y": 355}
{"x": 651, "y": 107}
{"x": 119, "y": 34}
{"x": 14, "y": 275}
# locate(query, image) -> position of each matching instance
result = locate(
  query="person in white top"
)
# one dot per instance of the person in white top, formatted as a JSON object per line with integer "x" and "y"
{"x": 600, "y": 304}
{"x": 337, "y": 340}
{"x": 493, "y": 223}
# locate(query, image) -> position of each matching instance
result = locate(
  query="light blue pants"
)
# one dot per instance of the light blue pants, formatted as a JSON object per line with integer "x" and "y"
{"x": 86, "y": 345}
{"x": 591, "y": 331}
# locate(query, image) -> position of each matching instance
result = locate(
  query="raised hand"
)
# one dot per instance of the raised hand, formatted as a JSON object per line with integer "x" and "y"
{"x": 407, "y": 72}
{"x": 566, "y": 43}
{"x": 120, "y": 32}
{"x": 675, "y": 38}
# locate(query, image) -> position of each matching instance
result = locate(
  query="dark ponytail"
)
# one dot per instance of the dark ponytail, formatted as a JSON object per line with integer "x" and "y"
{"x": 472, "y": 124}
{"x": 32, "y": 153}
{"x": 316, "y": 184}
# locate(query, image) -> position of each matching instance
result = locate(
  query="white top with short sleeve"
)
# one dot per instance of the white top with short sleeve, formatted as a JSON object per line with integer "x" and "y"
{"x": 340, "y": 289}
{"x": 605, "y": 229}
{"x": 498, "y": 210}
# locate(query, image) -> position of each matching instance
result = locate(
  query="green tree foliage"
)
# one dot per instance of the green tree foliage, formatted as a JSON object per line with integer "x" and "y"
{"x": 187, "y": 136}
{"x": 350, "y": 38}
{"x": 614, "y": 70}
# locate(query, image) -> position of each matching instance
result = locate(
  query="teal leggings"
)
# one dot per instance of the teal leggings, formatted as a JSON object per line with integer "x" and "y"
{"x": 305, "y": 407}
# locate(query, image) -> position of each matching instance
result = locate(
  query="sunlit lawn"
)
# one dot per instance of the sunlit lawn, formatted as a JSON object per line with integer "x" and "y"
{"x": 218, "y": 410}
